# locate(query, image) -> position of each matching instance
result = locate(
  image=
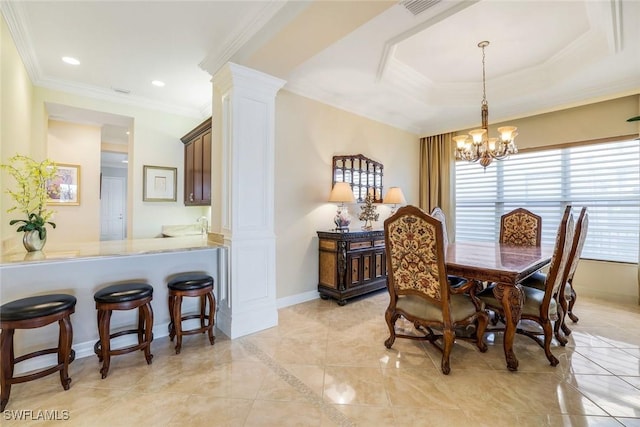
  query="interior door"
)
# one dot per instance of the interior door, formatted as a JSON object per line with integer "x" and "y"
{"x": 113, "y": 208}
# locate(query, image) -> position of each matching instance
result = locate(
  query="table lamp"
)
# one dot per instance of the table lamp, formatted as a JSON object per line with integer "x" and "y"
{"x": 342, "y": 193}
{"x": 394, "y": 197}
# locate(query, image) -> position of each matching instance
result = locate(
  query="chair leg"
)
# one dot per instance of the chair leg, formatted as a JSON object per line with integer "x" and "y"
{"x": 172, "y": 327}
{"x": 548, "y": 334}
{"x": 177, "y": 321}
{"x": 448, "y": 337}
{"x": 391, "y": 318}
{"x": 147, "y": 315}
{"x": 572, "y": 302}
{"x": 6, "y": 368}
{"x": 105, "y": 342}
{"x": 558, "y": 327}
{"x": 203, "y": 306}
{"x": 64, "y": 350}
{"x": 481, "y": 326}
{"x": 212, "y": 313}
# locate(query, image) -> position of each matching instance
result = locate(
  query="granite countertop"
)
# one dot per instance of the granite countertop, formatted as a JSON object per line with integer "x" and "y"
{"x": 74, "y": 251}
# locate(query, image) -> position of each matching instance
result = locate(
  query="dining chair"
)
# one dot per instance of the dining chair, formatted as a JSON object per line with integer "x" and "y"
{"x": 418, "y": 287}
{"x": 567, "y": 294}
{"x": 540, "y": 305}
{"x": 521, "y": 227}
{"x": 454, "y": 281}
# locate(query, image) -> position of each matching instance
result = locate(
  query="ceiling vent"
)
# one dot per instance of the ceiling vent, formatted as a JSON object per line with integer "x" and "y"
{"x": 418, "y": 6}
{"x": 119, "y": 90}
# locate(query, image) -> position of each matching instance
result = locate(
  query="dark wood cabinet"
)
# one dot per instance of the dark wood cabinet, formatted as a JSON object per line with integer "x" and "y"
{"x": 197, "y": 165}
{"x": 351, "y": 263}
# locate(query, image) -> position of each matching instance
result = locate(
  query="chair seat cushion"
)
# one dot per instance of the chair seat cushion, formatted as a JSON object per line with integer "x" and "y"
{"x": 461, "y": 307}
{"x": 38, "y": 306}
{"x": 536, "y": 280}
{"x": 190, "y": 282}
{"x": 532, "y": 300}
{"x": 123, "y": 292}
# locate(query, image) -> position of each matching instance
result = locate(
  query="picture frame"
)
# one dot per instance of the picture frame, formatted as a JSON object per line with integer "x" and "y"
{"x": 64, "y": 187}
{"x": 159, "y": 184}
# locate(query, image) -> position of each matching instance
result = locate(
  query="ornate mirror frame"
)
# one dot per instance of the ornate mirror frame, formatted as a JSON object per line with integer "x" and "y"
{"x": 362, "y": 173}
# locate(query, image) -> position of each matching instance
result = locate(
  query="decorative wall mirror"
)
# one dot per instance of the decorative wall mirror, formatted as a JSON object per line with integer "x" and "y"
{"x": 362, "y": 173}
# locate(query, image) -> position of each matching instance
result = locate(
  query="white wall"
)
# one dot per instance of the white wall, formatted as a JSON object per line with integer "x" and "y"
{"x": 308, "y": 135}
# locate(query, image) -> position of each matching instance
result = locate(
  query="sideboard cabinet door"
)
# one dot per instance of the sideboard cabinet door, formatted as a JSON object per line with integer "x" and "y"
{"x": 351, "y": 264}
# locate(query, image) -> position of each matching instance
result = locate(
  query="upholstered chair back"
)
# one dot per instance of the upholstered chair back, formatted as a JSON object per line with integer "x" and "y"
{"x": 521, "y": 227}
{"x": 579, "y": 237}
{"x": 438, "y": 214}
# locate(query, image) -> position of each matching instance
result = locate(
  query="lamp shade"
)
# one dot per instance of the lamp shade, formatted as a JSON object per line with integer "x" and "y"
{"x": 394, "y": 196}
{"x": 342, "y": 193}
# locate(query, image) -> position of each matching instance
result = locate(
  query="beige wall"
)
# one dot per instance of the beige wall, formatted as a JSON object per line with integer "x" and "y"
{"x": 70, "y": 143}
{"x": 607, "y": 280}
{"x": 308, "y": 135}
{"x": 15, "y": 121}
{"x": 24, "y": 129}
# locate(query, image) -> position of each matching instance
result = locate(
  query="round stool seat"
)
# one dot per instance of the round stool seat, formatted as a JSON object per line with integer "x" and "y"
{"x": 190, "y": 282}
{"x": 123, "y": 292}
{"x": 34, "y": 307}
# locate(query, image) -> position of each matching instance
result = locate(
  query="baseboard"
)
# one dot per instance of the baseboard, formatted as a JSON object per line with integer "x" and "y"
{"x": 297, "y": 299}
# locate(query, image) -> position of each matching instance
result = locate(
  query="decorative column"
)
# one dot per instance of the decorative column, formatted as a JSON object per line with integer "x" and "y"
{"x": 243, "y": 139}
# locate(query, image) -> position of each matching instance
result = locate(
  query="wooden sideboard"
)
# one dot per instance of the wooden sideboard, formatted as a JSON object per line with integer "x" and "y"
{"x": 351, "y": 263}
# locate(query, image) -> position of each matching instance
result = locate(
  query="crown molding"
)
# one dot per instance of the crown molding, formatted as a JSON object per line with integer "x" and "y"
{"x": 17, "y": 20}
{"x": 94, "y": 92}
{"x": 214, "y": 61}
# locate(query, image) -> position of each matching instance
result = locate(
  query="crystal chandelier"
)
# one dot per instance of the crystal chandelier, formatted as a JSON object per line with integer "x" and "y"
{"x": 479, "y": 147}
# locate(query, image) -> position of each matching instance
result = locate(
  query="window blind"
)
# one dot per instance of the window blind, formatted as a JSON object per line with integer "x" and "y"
{"x": 603, "y": 177}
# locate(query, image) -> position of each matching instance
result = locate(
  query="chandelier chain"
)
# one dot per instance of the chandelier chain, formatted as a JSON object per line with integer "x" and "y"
{"x": 481, "y": 148}
{"x": 484, "y": 84}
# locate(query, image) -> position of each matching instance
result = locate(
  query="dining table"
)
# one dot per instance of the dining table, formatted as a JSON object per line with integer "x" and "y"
{"x": 506, "y": 266}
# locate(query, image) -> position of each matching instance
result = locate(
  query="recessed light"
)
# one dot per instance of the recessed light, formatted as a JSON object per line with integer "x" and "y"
{"x": 157, "y": 83}
{"x": 70, "y": 60}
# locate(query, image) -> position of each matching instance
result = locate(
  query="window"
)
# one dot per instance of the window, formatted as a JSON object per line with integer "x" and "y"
{"x": 605, "y": 177}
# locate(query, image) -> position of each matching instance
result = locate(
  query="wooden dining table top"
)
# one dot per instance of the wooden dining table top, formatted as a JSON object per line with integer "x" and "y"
{"x": 496, "y": 262}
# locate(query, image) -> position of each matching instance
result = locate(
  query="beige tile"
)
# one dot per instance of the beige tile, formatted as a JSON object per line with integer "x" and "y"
{"x": 354, "y": 385}
{"x": 207, "y": 411}
{"x": 613, "y": 394}
{"x": 270, "y": 413}
{"x": 326, "y": 365}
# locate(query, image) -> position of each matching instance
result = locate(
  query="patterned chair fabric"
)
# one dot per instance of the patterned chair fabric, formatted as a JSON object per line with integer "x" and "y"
{"x": 540, "y": 305}
{"x": 520, "y": 227}
{"x": 418, "y": 286}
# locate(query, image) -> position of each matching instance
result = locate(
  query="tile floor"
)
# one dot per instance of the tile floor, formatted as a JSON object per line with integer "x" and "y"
{"x": 326, "y": 365}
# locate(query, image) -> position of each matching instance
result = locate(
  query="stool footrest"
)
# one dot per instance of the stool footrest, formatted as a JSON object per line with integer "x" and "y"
{"x": 97, "y": 347}
{"x": 200, "y": 330}
{"x": 42, "y": 372}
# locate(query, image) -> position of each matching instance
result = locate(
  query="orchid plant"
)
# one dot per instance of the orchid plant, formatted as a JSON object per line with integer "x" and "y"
{"x": 30, "y": 195}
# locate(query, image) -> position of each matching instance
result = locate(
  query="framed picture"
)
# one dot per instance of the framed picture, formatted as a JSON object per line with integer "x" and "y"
{"x": 159, "y": 184}
{"x": 64, "y": 187}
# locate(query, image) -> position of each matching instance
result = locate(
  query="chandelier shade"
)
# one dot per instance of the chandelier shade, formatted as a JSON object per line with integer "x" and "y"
{"x": 478, "y": 146}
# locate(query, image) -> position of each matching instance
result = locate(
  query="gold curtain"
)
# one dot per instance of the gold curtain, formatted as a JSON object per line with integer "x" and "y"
{"x": 437, "y": 177}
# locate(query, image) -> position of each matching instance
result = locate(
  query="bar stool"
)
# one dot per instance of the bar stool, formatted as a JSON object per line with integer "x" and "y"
{"x": 30, "y": 313}
{"x": 191, "y": 285}
{"x": 123, "y": 296}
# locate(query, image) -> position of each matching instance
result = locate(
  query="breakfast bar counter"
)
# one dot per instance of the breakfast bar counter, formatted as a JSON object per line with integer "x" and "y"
{"x": 82, "y": 269}
{"x": 111, "y": 248}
